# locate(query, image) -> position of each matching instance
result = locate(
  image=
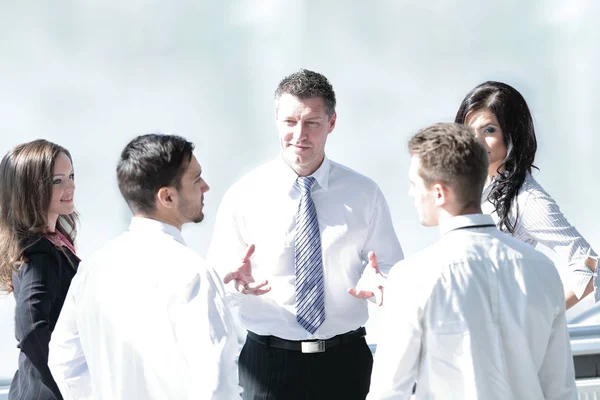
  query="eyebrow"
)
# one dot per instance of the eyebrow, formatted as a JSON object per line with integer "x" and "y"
{"x": 72, "y": 172}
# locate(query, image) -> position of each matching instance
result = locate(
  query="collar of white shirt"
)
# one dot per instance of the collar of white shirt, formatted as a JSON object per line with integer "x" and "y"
{"x": 466, "y": 221}
{"x": 149, "y": 226}
{"x": 288, "y": 176}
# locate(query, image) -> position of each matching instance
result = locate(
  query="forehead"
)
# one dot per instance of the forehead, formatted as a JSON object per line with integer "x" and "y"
{"x": 292, "y": 106}
{"x": 62, "y": 162}
{"x": 413, "y": 169}
{"x": 481, "y": 116}
{"x": 193, "y": 167}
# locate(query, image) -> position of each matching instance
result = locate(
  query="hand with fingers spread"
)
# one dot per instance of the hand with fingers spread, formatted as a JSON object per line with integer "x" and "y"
{"x": 244, "y": 281}
{"x": 371, "y": 282}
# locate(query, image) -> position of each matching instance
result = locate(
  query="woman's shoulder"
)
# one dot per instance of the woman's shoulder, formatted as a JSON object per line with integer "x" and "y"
{"x": 534, "y": 201}
{"x": 40, "y": 253}
{"x": 531, "y": 188}
{"x": 40, "y": 250}
{"x": 37, "y": 245}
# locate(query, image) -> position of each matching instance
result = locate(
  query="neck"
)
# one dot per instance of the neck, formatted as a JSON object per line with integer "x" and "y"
{"x": 451, "y": 212}
{"x": 161, "y": 218}
{"x": 304, "y": 170}
{"x": 52, "y": 218}
{"x": 493, "y": 171}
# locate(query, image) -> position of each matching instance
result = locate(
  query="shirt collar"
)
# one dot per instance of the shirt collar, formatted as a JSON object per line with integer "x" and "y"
{"x": 466, "y": 221}
{"x": 321, "y": 175}
{"x": 149, "y": 225}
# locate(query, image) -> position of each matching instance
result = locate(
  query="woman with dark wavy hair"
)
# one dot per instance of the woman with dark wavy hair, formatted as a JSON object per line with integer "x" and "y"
{"x": 37, "y": 257}
{"x": 500, "y": 117}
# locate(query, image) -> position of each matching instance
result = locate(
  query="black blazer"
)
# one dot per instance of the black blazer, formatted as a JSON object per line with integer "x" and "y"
{"x": 40, "y": 288}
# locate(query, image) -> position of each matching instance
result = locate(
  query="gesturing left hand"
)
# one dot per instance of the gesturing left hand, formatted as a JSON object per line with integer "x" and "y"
{"x": 371, "y": 282}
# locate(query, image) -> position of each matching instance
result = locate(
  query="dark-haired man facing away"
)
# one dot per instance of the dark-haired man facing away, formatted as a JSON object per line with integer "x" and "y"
{"x": 144, "y": 317}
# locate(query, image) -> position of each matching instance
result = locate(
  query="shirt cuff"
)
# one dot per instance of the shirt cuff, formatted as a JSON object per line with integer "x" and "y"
{"x": 234, "y": 298}
{"x": 579, "y": 280}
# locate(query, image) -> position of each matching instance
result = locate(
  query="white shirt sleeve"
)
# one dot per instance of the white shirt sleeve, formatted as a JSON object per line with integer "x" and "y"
{"x": 382, "y": 238}
{"x": 225, "y": 254}
{"x": 204, "y": 332}
{"x": 227, "y": 246}
{"x": 399, "y": 349}
{"x": 66, "y": 359}
{"x": 557, "y": 374}
{"x": 542, "y": 221}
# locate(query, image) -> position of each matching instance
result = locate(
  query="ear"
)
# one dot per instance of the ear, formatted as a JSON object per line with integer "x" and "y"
{"x": 441, "y": 194}
{"x": 166, "y": 197}
{"x": 332, "y": 123}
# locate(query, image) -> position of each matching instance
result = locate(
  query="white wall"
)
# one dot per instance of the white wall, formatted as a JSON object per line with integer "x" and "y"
{"x": 91, "y": 75}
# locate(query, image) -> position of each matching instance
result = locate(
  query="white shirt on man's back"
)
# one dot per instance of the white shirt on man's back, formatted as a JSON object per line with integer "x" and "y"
{"x": 477, "y": 315}
{"x": 145, "y": 319}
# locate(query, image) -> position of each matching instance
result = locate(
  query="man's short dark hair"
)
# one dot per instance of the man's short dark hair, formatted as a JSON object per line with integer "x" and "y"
{"x": 306, "y": 84}
{"x": 148, "y": 163}
{"x": 452, "y": 154}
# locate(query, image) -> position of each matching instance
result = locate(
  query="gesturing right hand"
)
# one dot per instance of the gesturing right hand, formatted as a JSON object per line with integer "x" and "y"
{"x": 244, "y": 281}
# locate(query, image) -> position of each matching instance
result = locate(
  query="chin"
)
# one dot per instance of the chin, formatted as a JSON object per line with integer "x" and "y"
{"x": 66, "y": 210}
{"x": 428, "y": 223}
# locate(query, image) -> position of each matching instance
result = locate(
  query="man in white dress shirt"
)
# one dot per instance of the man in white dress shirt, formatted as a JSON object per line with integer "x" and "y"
{"x": 144, "y": 317}
{"x": 479, "y": 314}
{"x": 311, "y": 228}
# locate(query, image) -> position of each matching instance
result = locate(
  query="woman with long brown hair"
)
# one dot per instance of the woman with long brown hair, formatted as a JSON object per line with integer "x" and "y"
{"x": 37, "y": 256}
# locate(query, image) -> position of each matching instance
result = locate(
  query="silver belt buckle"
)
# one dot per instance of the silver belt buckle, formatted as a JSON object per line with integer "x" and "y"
{"x": 317, "y": 346}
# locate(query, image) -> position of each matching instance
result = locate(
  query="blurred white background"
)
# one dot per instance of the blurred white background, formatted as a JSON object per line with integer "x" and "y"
{"x": 92, "y": 75}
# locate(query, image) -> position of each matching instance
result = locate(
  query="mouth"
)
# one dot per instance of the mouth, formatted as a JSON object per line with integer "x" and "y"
{"x": 298, "y": 147}
{"x": 67, "y": 200}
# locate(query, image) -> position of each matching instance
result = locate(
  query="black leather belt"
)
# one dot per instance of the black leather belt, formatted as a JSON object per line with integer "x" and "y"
{"x": 308, "y": 346}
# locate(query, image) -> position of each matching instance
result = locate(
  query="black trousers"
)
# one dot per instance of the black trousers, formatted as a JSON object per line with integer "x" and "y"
{"x": 342, "y": 372}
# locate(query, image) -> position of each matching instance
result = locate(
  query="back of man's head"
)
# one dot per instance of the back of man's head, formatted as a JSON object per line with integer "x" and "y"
{"x": 306, "y": 84}
{"x": 148, "y": 163}
{"x": 451, "y": 154}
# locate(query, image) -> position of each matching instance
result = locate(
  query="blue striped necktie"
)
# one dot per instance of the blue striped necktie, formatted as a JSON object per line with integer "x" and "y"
{"x": 308, "y": 261}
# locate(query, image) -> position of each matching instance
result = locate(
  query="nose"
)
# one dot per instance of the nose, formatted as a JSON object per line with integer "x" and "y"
{"x": 205, "y": 187}
{"x": 299, "y": 132}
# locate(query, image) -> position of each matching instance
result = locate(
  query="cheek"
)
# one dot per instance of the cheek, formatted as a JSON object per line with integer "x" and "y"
{"x": 285, "y": 134}
{"x": 496, "y": 144}
{"x": 319, "y": 137}
{"x": 55, "y": 199}
{"x": 56, "y": 193}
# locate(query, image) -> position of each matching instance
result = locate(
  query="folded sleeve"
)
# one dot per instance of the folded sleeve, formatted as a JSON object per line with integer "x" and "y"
{"x": 542, "y": 221}
{"x": 381, "y": 238}
{"x": 227, "y": 246}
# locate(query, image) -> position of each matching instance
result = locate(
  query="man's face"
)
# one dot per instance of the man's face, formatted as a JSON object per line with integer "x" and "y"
{"x": 423, "y": 195}
{"x": 303, "y": 128}
{"x": 191, "y": 193}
